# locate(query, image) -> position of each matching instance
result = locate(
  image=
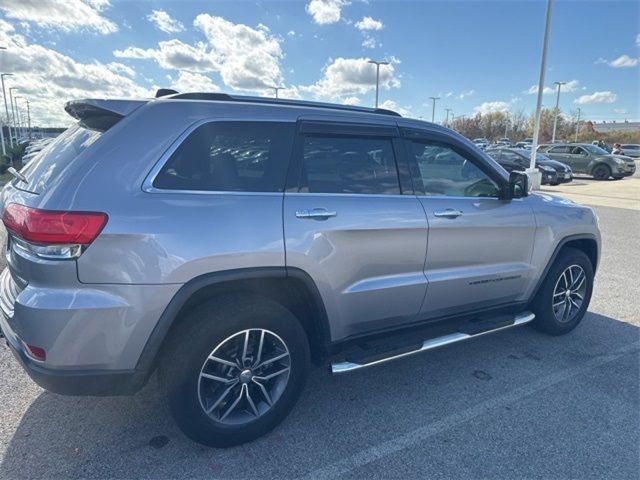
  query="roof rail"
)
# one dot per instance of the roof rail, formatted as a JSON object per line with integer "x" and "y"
{"x": 225, "y": 97}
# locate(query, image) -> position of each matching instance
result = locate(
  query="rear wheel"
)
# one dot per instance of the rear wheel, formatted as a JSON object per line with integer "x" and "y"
{"x": 601, "y": 172}
{"x": 236, "y": 370}
{"x": 565, "y": 293}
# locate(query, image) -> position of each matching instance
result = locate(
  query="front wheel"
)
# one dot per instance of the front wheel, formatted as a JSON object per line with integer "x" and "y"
{"x": 601, "y": 172}
{"x": 236, "y": 370}
{"x": 564, "y": 296}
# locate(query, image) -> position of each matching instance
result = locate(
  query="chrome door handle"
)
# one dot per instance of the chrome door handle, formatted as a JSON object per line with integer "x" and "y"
{"x": 316, "y": 213}
{"x": 448, "y": 213}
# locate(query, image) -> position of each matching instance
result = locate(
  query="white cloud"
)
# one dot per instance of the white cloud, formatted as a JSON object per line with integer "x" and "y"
{"x": 446, "y": 95}
{"x": 638, "y": 40}
{"x": 291, "y": 33}
{"x": 369, "y": 42}
{"x": 194, "y": 82}
{"x": 347, "y": 77}
{"x": 394, "y": 106}
{"x": 173, "y": 54}
{"x": 368, "y": 23}
{"x": 49, "y": 78}
{"x": 620, "y": 111}
{"x": 164, "y": 22}
{"x": 120, "y": 68}
{"x": 623, "y": 61}
{"x": 325, "y": 12}
{"x": 571, "y": 86}
{"x": 465, "y": 93}
{"x": 597, "y": 97}
{"x": 491, "y": 107}
{"x": 351, "y": 101}
{"x": 67, "y": 15}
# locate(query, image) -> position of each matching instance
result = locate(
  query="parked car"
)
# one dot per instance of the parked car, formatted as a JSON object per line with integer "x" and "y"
{"x": 228, "y": 241}
{"x": 631, "y": 150}
{"x": 591, "y": 160}
{"x": 516, "y": 159}
{"x": 505, "y": 142}
{"x": 523, "y": 145}
{"x": 482, "y": 143}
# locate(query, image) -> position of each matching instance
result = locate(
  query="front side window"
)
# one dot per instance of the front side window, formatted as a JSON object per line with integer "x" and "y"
{"x": 564, "y": 149}
{"x": 578, "y": 151}
{"x": 444, "y": 171}
{"x": 352, "y": 165}
{"x": 230, "y": 156}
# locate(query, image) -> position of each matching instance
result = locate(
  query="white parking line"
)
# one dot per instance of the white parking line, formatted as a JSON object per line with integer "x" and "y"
{"x": 447, "y": 423}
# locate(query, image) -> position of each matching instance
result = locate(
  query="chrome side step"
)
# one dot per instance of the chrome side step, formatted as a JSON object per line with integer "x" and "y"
{"x": 430, "y": 344}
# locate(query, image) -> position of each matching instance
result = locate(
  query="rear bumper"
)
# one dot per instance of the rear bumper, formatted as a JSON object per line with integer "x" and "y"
{"x": 73, "y": 382}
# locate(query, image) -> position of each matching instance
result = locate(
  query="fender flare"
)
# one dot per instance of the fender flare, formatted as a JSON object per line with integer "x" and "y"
{"x": 147, "y": 360}
{"x": 556, "y": 251}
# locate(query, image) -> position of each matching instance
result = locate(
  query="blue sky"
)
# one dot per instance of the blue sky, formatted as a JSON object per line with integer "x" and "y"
{"x": 478, "y": 56}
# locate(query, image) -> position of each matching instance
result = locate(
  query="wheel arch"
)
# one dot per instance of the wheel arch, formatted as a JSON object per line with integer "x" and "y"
{"x": 290, "y": 287}
{"x": 586, "y": 243}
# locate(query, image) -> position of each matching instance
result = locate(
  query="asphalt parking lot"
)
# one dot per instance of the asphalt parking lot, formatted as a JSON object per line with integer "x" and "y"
{"x": 511, "y": 405}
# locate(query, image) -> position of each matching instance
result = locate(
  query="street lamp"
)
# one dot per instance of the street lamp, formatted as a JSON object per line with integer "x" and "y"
{"x": 377, "y": 64}
{"x": 276, "y": 90}
{"x": 433, "y": 109}
{"x": 29, "y": 118}
{"x": 13, "y": 112}
{"x": 532, "y": 171}
{"x": 446, "y": 122}
{"x": 555, "y": 117}
{"x": 6, "y": 107}
{"x": 18, "y": 116}
{"x": 578, "y": 124}
{"x": 506, "y": 124}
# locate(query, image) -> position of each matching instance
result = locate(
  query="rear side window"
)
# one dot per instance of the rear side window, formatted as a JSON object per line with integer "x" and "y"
{"x": 355, "y": 165}
{"x": 56, "y": 157}
{"x": 230, "y": 157}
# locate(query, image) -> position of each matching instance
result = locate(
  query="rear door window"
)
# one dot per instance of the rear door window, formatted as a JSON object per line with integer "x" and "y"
{"x": 230, "y": 157}
{"x": 351, "y": 165}
{"x": 56, "y": 157}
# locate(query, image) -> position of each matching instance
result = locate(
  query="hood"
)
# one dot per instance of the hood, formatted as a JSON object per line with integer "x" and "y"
{"x": 623, "y": 157}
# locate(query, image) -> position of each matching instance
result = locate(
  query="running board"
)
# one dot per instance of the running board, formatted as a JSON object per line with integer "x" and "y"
{"x": 432, "y": 343}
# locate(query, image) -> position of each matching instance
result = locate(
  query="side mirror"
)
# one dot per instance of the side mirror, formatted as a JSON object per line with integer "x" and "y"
{"x": 518, "y": 185}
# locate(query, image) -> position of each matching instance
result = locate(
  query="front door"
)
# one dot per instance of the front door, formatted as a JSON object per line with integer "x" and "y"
{"x": 479, "y": 246}
{"x": 354, "y": 230}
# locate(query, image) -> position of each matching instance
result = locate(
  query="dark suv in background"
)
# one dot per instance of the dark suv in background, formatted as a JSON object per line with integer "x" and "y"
{"x": 517, "y": 159}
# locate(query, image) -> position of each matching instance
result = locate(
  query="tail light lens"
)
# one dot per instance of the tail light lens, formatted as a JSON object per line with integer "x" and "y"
{"x": 53, "y": 234}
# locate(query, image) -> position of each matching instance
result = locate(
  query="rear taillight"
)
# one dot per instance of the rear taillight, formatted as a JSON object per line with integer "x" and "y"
{"x": 50, "y": 233}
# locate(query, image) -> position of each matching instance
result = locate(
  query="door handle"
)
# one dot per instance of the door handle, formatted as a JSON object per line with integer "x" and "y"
{"x": 448, "y": 213}
{"x": 316, "y": 213}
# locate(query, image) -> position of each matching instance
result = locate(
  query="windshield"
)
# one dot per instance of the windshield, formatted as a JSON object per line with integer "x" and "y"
{"x": 56, "y": 157}
{"x": 596, "y": 150}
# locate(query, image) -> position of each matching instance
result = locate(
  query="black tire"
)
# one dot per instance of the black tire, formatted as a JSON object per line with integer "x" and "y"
{"x": 204, "y": 328}
{"x": 601, "y": 172}
{"x": 542, "y": 305}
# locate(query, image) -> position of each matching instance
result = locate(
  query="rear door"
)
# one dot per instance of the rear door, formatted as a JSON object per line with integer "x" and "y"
{"x": 352, "y": 222}
{"x": 480, "y": 246}
{"x": 579, "y": 159}
{"x": 561, "y": 154}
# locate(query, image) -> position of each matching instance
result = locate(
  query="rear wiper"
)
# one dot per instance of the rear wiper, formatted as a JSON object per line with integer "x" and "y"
{"x": 18, "y": 175}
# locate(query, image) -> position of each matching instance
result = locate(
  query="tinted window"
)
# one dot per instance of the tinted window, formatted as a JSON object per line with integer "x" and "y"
{"x": 563, "y": 149}
{"x": 443, "y": 171}
{"x": 230, "y": 156}
{"x": 578, "y": 151}
{"x": 56, "y": 157}
{"x": 513, "y": 157}
{"x": 597, "y": 150}
{"x": 349, "y": 165}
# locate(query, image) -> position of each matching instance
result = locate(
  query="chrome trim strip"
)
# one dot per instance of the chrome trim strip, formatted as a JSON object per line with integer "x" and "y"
{"x": 430, "y": 344}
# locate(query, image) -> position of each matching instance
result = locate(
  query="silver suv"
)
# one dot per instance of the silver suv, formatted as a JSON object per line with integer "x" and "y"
{"x": 229, "y": 242}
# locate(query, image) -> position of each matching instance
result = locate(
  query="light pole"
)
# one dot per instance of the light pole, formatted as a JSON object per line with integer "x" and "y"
{"x": 277, "y": 89}
{"x": 506, "y": 124}
{"x": 446, "y": 122}
{"x": 578, "y": 125}
{"x": 29, "y": 118}
{"x": 13, "y": 112}
{"x": 377, "y": 64}
{"x": 532, "y": 171}
{"x": 6, "y": 107}
{"x": 18, "y": 116}
{"x": 555, "y": 117}
{"x": 433, "y": 108}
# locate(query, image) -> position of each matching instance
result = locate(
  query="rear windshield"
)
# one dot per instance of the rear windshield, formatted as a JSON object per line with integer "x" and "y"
{"x": 56, "y": 157}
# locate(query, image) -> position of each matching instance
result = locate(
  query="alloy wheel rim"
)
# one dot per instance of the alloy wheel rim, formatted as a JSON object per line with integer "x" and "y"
{"x": 569, "y": 293}
{"x": 244, "y": 376}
